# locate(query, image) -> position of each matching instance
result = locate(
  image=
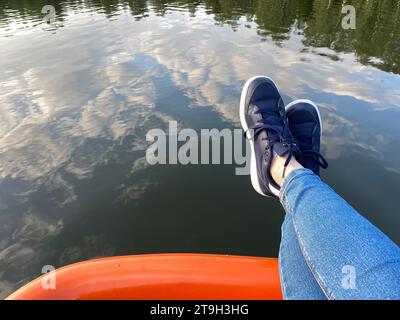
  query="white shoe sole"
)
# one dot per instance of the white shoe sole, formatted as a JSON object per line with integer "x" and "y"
{"x": 292, "y": 105}
{"x": 253, "y": 162}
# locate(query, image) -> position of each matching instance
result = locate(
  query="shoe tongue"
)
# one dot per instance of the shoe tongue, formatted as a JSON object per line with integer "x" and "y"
{"x": 280, "y": 149}
{"x": 304, "y": 130}
{"x": 256, "y": 113}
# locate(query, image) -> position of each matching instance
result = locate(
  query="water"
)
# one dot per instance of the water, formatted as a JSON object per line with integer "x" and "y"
{"x": 77, "y": 98}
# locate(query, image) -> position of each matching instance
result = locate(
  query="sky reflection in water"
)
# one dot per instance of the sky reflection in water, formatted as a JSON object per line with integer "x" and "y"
{"x": 77, "y": 99}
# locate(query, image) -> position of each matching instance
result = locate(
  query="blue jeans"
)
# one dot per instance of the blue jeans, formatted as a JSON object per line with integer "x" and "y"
{"x": 328, "y": 250}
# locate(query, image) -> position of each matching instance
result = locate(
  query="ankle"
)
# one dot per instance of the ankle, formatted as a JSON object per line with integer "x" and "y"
{"x": 278, "y": 170}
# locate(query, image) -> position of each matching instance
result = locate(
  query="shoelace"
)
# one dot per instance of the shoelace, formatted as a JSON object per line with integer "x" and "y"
{"x": 318, "y": 158}
{"x": 285, "y": 137}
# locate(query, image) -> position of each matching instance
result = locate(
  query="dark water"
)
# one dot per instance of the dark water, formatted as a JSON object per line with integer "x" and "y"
{"x": 78, "y": 96}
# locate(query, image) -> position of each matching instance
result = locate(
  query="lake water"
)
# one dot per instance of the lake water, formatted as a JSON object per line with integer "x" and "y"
{"x": 78, "y": 95}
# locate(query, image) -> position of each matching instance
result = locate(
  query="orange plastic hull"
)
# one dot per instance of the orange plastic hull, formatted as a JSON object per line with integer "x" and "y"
{"x": 162, "y": 277}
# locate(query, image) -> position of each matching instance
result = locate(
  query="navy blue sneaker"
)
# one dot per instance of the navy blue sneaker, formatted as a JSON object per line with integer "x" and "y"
{"x": 263, "y": 118}
{"x": 306, "y": 126}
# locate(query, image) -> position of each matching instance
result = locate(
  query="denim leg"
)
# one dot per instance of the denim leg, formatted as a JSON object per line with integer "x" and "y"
{"x": 348, "y": 257}
{"x": 297, "y": 281}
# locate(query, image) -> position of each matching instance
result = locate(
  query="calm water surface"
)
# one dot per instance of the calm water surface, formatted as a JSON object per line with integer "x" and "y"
{"x": 77, "y": 98}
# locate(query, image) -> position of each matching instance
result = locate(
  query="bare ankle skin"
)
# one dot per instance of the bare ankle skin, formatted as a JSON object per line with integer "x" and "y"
{"x": 278, "y": 171}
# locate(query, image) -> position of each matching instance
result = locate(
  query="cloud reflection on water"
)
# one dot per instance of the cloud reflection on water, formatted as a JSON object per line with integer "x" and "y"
{"x": 81, "y": 100}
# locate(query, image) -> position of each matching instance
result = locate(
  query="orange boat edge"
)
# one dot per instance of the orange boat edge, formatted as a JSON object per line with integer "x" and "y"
{"x": 161, "y": 277}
